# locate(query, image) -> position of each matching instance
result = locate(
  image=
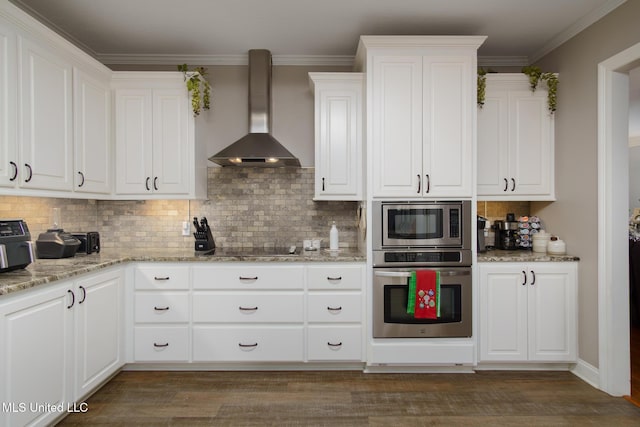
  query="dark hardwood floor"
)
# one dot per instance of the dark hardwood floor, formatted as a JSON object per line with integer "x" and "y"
{"x": 350, "y": 398}
{"x": 635, "y": 364}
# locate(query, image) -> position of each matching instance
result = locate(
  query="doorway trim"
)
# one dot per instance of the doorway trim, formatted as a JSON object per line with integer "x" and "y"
{"x": 613, "y": 207}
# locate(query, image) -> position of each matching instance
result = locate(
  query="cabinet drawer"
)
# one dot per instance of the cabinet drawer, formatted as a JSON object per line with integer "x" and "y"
{"x": 334, "y": 343}
{"x": 248, "y": 277}
{"x": 335, "y": 277}
{"x": 162, "y": 277}
{"x": 160, "y": 307}
{"x": 248, "y": 344}
{"x": 335, "y": 307}
{"x": 165, "y": 343}
{"x": 242, "y": 307}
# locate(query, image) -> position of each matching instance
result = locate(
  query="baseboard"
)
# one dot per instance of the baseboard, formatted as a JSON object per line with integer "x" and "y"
{"x": 587, "y": 373}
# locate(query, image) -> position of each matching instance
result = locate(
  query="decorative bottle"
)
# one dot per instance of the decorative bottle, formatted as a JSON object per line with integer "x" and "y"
{"x": 333, "y": 237}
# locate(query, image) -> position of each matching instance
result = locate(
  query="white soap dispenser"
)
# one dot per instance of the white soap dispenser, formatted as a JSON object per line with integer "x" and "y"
{"x": 333, "y": 237}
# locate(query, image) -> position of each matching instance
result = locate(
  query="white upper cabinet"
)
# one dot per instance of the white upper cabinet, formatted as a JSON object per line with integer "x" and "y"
{"x": 338, "y": 135}
{"x": 420, "y": 114}
{"x": 8, "y": 106}
{"x": 156, "y": 153}
{"x": 46, "y": 140}
{"x": 92, "y": 133}
{"x": 515, "y": 141}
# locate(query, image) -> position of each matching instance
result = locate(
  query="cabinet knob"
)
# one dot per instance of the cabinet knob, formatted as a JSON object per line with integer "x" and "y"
{"x": 323, "y": 183}
{"x": 156, "y": 345}
{"x": 155, "y": 183}
{"x": 428, "y": 179}
{"x": 533, "y": 277}
{"x": 513, "y": 184}
{"x": 84, "y": 294}
{"x": 524, "y": 277}
{"x": 73, "y": 298}
{"x": 82, "y": 179}
{"x": 419, "y": 184}
{"x": 254, "y": 345}
{"x": 330, "y": 344}
{"x": 334, "y": 308}
{"x": 241, "y": 308}
{"x": 30, "y": 175}
{"x": 146, "y": 183}
{"x": 161, "y": 308}
{"x": 506, "y": 184}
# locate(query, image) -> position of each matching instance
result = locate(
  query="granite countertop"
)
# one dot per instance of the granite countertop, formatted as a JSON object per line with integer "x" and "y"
{"x": 44, "y": 271}
{"x": 498, "y": 255}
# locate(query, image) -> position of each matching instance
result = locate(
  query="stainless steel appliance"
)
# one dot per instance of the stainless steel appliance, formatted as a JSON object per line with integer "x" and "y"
{"x": 16, "y": 249}
{"x": 507, "y": 235}
{"x": 410, "y": 236}
{"x": 390, "y": 292}
{"x": 89, "y": 241}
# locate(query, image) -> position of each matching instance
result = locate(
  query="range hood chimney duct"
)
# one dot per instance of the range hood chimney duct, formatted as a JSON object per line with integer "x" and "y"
{"x": 258, "y": 148}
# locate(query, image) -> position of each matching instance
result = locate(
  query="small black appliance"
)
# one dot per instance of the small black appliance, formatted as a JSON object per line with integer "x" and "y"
{"x": 16, "y": 249}
{"x": 56, "y": 243}
{"x": 203, "y": 236}
{"x": 89, "y": 241}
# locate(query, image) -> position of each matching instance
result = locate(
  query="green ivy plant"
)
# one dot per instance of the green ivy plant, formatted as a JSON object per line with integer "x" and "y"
{"x": 535, "y": 76}
{"x": 198, "y": 87}
{"x": 482, "y": 86}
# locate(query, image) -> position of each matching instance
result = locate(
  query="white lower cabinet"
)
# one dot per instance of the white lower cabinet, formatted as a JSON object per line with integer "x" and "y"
{"x": 59, "y": 343}
{"x": 528, "y": 312}
{"x": 335, "y": 313}
{"x": 162, "y": 313}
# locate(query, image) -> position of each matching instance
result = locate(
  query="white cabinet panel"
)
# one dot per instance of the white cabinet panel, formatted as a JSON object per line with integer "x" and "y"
{"x": 243, "y": 307}
{"x": 161, "y": 343}
{"x": 99, "y": 330}
{"x": 37, "y": 354}
{"x": 162, "y": 307}
{"x": 334, "y": 307}
{"x": 248, "y": 344}
{"x": 334, "y": 343}
{"x": 9, "y": 164}
{"x": 46, "y": 118}
{"x": 159, "y": 276}
{"x": 92, "y": 134}
{"x": 244, "y": 276}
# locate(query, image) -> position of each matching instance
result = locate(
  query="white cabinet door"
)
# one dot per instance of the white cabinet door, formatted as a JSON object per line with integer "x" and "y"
{"x": 99, "y": 330}
{"x": 552, "y": 307}
{"x": 528, "y": 312}
{"x": 515, "y": 141}
{"x": 503, "y": 312}
{"x": 396, "y": 104}
{"x": 338, "y": 135}
{"x": 37, "y": 355}
{"x": 134, "y": 139}
{"x": 530, "y": 155}
{"x": 92, "y": 134}
{"x": 448, "y": 126}
{"x": 8, "y": 107}
{"x": 46, "y": 120}
{"x": 172, "y": 153}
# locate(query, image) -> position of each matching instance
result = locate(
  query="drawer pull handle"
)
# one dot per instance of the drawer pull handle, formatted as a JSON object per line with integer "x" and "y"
{"x": 73, "y": 298}
{"x": 247, "y": 345}
{"x": 249, "y": 278}
{"x": 524, "y": 277}
{"x": 334, "y": 278}
{"x": 84, "y": 294}
{"x": 241, "y": 308}
{"x": 533, "y": 275}
{"x": 330, "y": 344}
{"x": 161, "y": 308}
{"x": 161, "y": 278}
{"x": 334, "y": 308}
{"x": 156, "y": 345}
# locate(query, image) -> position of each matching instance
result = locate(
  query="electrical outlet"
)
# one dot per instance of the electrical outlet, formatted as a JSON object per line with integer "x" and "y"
{"x": 186, "y": 228}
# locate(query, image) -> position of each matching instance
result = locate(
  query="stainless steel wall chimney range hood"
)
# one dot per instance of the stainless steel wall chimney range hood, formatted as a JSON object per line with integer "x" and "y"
{"x": 258, "y": 148}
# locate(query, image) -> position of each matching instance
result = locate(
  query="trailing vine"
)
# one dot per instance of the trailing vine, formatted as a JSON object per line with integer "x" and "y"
{"x": 482, "y": 86}
{"x": 535, "y": 76}
{"x": 198, "y": 87}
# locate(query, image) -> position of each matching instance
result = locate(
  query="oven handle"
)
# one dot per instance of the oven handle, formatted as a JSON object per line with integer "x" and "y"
{"x": 408, "y": 273}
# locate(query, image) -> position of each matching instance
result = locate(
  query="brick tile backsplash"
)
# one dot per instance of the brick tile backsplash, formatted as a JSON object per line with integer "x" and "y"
{"x": 246, "y": 207}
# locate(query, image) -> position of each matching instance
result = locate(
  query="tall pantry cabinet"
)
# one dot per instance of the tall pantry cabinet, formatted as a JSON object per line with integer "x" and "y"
{"x": 421, "y": 98}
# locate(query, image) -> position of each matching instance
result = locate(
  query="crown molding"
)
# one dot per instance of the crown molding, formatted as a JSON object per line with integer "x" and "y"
{"x": 576, "y": 28}
{"x": 503, "y": 61}
{"x": 164, "y": 59}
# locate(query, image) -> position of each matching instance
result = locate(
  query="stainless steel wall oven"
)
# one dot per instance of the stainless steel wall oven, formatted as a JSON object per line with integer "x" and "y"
{"x": 411, "y": 236}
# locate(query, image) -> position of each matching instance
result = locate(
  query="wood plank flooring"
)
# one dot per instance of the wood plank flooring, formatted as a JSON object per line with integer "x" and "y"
{"x": 351, "y": 398}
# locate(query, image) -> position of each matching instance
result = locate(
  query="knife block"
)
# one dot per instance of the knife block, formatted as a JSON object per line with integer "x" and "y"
{"x": 204, "y": 240}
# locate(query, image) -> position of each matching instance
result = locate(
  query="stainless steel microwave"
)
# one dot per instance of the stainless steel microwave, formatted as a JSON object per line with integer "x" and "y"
{"x": 424, "y": 224}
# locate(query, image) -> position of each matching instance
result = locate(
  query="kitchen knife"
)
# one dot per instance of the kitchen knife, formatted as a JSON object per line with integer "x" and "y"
{"x": 195, "y": 223}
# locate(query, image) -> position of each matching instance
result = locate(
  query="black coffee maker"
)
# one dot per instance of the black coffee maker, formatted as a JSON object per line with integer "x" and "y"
{"x": 507, "y": 233}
